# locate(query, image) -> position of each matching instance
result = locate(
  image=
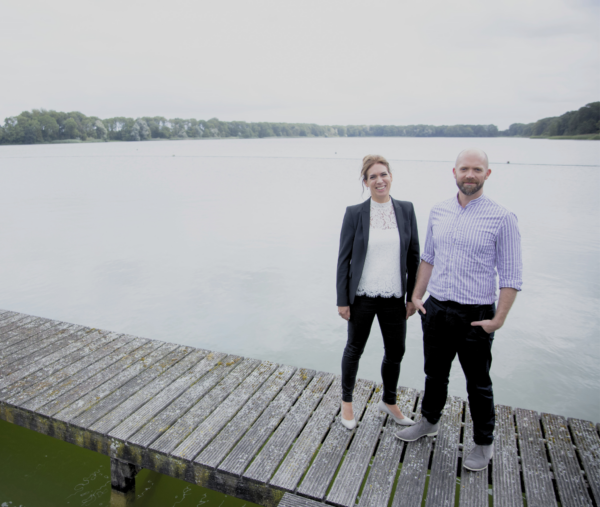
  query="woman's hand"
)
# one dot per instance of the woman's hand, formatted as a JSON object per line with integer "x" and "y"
{"x": 410, "y": 310}
{"x": 344, "y": 312}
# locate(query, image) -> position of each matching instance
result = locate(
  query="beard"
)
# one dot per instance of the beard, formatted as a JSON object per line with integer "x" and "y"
{"x": 469, "y": 190}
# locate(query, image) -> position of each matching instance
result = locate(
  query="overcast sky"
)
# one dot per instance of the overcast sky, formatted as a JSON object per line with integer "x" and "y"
{"x": 320, "y": 61}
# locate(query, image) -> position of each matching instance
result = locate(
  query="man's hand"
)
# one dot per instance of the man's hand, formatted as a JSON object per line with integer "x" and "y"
{"x": 344, "y": 312}
{"x": 418, "y": 303}
{"x": 410, "y": 310}
{"x": 489, "y": 326}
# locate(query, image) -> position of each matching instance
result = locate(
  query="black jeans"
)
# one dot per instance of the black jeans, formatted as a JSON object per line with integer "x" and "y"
{"x": 447, "y": 331}
{"x": 391, "y": 314}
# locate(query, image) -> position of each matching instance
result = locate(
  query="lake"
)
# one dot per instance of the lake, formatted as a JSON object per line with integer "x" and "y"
{"x": 231, "y": 245}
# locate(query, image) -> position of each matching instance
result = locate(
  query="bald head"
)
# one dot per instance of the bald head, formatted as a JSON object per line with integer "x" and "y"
{"x": 472, "y": 153}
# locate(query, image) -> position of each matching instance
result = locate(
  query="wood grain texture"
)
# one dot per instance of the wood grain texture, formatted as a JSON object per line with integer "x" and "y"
{"x": 297, "y": 461}
{"x": 290, "y": 500}
{"x": 411, "y": 482}
{"x": 588, "y": 448}
{"x": 266, "y": 396}
{"x": 380, "y": 481}
{"x": 13, "y": 324}
{"x": 346, "y": 485}
{"x": 442, "y": 480}
{"x": 319, "y": 475}
{"x": 263, "y": 467}
{"x": 100, "y": 344}
{"x": 178, "y": 432}
{"x": 221, "y": 415}
{"x": 567, "y": 473}
{"x": 261, "y": 430}
{"x": 506, "y": 479}
{"x": 539, "y": 489}
{"x": 473, "y": 485}
{"x": 25, "y": 335}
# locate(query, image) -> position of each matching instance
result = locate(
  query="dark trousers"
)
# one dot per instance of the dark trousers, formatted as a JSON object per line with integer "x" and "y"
{"x": 391, "y": 314}
{"x": 447, "y": 331}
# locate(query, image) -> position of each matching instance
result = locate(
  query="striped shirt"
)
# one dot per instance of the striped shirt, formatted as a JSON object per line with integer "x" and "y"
{"x": 467, "y": 245}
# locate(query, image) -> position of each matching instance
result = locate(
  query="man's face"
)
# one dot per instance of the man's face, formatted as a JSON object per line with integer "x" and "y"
{"x": 470, "y": 173}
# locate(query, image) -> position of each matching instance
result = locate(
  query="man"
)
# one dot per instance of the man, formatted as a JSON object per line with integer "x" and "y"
{"x": 468, "y": 238}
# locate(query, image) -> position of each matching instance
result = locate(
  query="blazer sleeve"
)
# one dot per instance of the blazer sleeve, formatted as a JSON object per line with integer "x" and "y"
{"x": 344, "y": 257}
{"x": 413, "y": 256}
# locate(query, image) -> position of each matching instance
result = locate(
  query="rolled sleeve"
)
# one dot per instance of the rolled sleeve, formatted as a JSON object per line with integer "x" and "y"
{"x": 428, "y": 254}
{"x": 508, "y": 254}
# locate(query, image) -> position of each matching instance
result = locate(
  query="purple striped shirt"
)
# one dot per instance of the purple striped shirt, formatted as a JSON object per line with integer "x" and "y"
{"x": 467, "y": 245}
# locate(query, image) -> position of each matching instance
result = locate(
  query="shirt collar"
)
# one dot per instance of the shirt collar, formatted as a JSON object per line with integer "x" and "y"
{"x": 473, "y": 203}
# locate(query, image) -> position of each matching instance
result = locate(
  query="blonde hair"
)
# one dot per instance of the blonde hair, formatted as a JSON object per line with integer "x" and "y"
{"x": 369, "y": 161}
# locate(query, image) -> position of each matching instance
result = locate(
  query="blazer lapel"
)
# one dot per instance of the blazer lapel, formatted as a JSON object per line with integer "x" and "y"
{"x": 366, "y": 221}
{"x": 399, "y": 221}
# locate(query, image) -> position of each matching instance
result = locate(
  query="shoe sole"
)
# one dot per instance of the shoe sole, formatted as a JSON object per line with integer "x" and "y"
{"x": 415, "y": 439}
{"x": 393, "y": 419}
{"x": 475, "y": 469}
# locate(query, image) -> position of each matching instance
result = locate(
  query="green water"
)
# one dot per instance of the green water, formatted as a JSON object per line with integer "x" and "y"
{"x": 40, "y": 471}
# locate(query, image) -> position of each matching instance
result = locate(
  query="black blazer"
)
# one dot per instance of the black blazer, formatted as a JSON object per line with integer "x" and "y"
{"x": 353, "y": 248}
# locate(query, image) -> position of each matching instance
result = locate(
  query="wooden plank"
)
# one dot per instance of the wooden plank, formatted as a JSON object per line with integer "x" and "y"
{"x": 177, "y": 433}
{"x": 78, "y": 338}
{"x": 57, "y": 345}
{"x": 380, "y": 482}
{"x": 506, "y": 480}
{"x": 83, "y": 379}
{"x": 100, "y": 344}
{"x": 319, "y": 475}
{"x": 13, "y": 323}
{"x": 297, "y": 461}
{"x": 216, "y": 366}
{"x": 4, "y": 314}
{"x": 264, "y": 411}
{"x": 142, "y": 403}
{"x": 352, "y": 471}
{"x": 567, "y": 473}
{"x": 176, "y": 362}
{"x": 112, "y": 379}
{"x": 290, "y": 500}
{"x": 25, "y": 335}
{"x": 473, "y": 485}
{"x": 442, "y": 480}
{"x": 263, "y": 466}
{"x": 539, "y": 489}
{"x": 212, "y": 425}
{"x": 411, "y": 482}
{"x": 588, "y": 448}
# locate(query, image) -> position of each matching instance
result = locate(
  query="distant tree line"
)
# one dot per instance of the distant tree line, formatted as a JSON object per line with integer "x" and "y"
{"x": 41, "y": 126}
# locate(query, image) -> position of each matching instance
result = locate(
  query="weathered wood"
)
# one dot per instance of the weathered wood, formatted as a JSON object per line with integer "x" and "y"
{"x": 254, "y": 439}
{"x": 411, "y": 482}
{"x": 176, "y": 361}
{"x": 231, "y": 434}
{"x": 380, "y": 482}
{"x": 290, "y": 500}
{"x": 352, "y": 471}
{"x": 297, "y": 461}
{"x": 26, "y": 335}
{"x": 212, "y": 425}
{"x": 61, "y": 343}
{"x": 272, "y": 453}
{"x": 211, "y": 370}
{"x": 126, "y": 371}
{"x": 319, "y": 475}
{"x": 442, "y": 480}
{"x": 506, "y": 480}
{"x": 122, "y": 475}
{"x": 588, "y": 448}
{"x": 539, "y": 489}
{"x": 473, "y": 485}
{"x": 12, "y": 323}
{"x": 139, "y": 407}
{"x": 82, "y": 382}
{"x": 569, "y": 479}
{"x": 176, "y": 434}
{"x": 98, "y": 346}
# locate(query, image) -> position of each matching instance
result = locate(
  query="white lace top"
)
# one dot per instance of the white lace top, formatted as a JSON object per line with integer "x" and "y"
{"x": 381, "y": 273}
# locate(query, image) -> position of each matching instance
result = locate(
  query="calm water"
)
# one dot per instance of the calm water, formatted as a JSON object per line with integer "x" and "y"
{"x": 232, "y": 245}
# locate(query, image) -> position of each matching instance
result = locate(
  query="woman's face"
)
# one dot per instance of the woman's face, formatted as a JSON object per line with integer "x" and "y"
{"x": 379, "y": 182}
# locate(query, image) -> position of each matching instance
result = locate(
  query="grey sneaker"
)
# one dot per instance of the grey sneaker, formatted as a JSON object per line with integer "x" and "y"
{"x": 421, "y": 429}
{"x": 479, "y": 457}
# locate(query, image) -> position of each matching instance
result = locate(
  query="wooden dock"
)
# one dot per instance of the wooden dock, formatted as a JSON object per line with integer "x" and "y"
{"x": 270, "y": 433}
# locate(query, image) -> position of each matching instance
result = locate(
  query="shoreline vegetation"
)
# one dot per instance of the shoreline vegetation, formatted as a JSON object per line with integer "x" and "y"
{"x": 43, "y": 127}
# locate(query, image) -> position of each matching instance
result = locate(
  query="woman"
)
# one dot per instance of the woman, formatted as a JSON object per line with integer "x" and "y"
{"x": 377, "y": 268}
